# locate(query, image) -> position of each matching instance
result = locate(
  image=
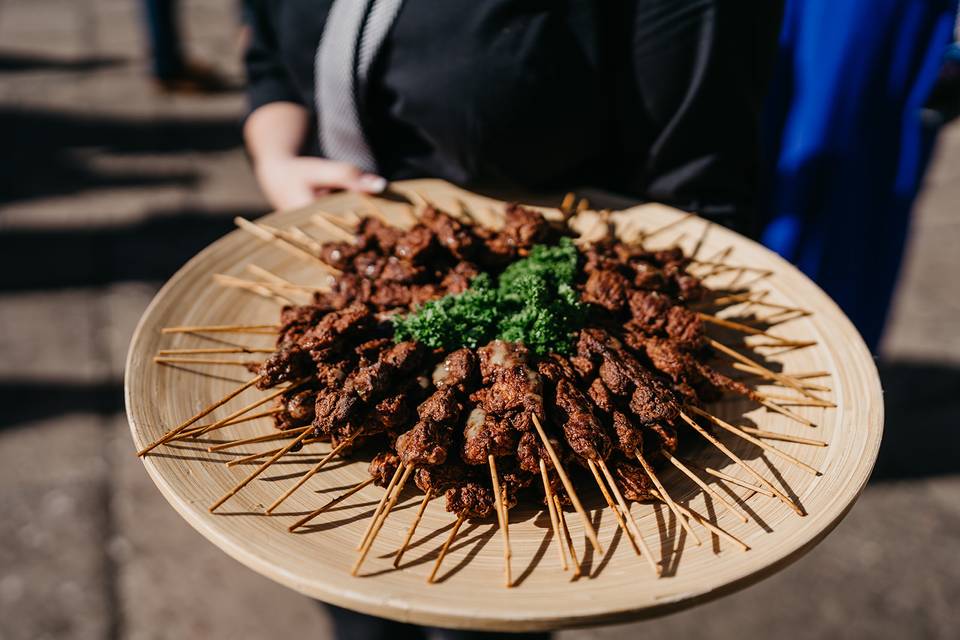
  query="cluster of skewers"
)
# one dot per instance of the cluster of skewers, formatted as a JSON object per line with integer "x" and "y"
{"x": 497, "y": 425}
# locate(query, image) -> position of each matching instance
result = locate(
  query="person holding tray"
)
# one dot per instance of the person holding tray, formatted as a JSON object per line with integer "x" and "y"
{"x": 655, "y": 99}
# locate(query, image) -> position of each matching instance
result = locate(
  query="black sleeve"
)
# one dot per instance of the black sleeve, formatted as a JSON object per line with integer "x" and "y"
{"x": 268, "y": 78}
{"x": 701, "y": 69}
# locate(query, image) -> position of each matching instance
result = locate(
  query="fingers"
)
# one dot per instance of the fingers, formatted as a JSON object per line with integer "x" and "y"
{"x": 328, "y": 174}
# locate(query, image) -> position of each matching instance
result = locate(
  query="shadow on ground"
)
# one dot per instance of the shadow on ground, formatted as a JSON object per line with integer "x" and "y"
{"x": 150, "y": 251}
{"x": 56, "y": 150}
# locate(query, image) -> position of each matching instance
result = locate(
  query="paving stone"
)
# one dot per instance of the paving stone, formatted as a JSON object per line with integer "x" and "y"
{"x": 55, "y": 576}
{"x": 176, "y": 584}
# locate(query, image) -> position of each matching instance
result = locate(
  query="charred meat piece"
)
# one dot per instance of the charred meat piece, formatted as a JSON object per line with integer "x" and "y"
{"x": 297, "y": 408}
{"x": 649, "y": 310}
{"x": 296, "y": 320}
{"x": 338, "y": 254}
{"x": 426, "y": 444}
{"x": 513, "y": 385}
{"x": 351, "y": 321}
{"x": 634, "y": 483}
{"x": 583, "y": 432}
{"x": 525, "y": 227}
{"x": 606, "y": 288}
{"x": 415, "y": 245}
{"x": 485, "y": 435}
{"x": 374, "y": 235}
{"x": 458, "y": 279}
{"x": 288, "y": 363}
{"x": 394, "y": 362}
{"x": 629, "y": 438}
{"x": 457, "y": 370}
{"x": 601, "y": 396}
{"x": 439, "y": 478}
{"x": 470, "y": 500}
{"x": 450, "y": 233}
{"x": 382, "y": 467}
{"x": 685, "y": 327}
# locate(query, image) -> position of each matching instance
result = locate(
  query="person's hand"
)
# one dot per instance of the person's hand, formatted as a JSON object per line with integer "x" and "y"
{"x": 290, "y": 182}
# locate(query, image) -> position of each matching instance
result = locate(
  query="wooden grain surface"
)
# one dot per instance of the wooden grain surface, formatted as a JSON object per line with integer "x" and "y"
{"x": 616, "y": 587}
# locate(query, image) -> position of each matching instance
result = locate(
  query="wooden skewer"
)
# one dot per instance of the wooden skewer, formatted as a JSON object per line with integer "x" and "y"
{"x": 730, "y": 454}
{"x": 343, "y": 496}
{"x": 571, "y": 492}
{"x": 236, "y": 489}
{"x": 213, "y": 350}
{"x": 413, "y": 527}
{"x": 569, "y": 200}
{"x": 312, "y": 472}
{"x": 783, "y": 398}
{"x": 753, "y": 331}
{"x": 782, "y": 343}
{"x": 770, "y": 404}
{"x": 266, "y": 329}
{"x": 282, "y": 283}
{"x": 219, "y": 424}
{"x": 784, "y": 437}
{"x": 210, "y": 409}
{"x": 323, "y": 222}
{"x": 552, "y": 510}
{"x": 272, "y": 235}
{"x": 703, "y": 485}
{"x": 383, "y": 518}
{"x": 567, "y": 537}
{"x": 189, "y": 433}
{"x": 726, "y": 477}
{"x": 258, "y": 288}
{"x": 504, "y": 520}
{"x": 380, "y": 505}
{"x": 657, "y": 569}
{"x": 265, "y": 454}
{"x": 616, "y": 512}
{"x": 583, "y": 205}
{"x": 755, "y": 441}
{"x": 666, "y": 497}
{"x": 799, "y": 378}
{"x": 339, "y": 222}
{"x": 444, "y": 549}
{"x": 211, "y": 361}
{"x": 785, "y": 379}
{"x": 270, "y": 437}
{"x": 706, "y": 524}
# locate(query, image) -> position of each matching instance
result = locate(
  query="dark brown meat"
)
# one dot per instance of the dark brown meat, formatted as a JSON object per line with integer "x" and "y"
{"x": 394, "y": 362}
{"x": 470, "y": 500}
{"x": 338, "y": 254}
{"x": 633, "y": 482}
{"x": 426, "y": 444}
{"x": 441, "y": 477}
{"x": 382, "y": 467}
{"x": 375, "y": 235}
{"x": 458, "y": 369}
{"x": 525, "y": 227}
{"x": 601, "y": 396}
{"x": 401, "y": 270}
{"x": 350, "y": 321}
{"x": 485, "y": 435}
{"x": 685, "y": 327}
{"x": 649, "y": 310}
{"x": 415, "y": 245}
{"x": 458, "y": 279}
{"x": 288, "y": 363}
{"x": 629, "y": 437}
{"x": 583, "y": 432}
{"x": 451, "y": 234}
{"x": 606, "y": 288}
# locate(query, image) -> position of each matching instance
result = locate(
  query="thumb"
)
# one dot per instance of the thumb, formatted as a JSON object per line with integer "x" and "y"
{"x": 343, "y": 175}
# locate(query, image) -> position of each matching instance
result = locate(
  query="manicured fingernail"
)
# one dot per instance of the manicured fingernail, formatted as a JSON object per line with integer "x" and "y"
{"x": 372, "y": 183}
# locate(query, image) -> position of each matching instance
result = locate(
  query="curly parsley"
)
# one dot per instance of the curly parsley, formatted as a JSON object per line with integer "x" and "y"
{"x": 533, "y": 302}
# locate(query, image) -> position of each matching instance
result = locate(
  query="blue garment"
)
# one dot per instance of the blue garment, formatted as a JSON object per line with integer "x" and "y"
{"x": 846, "y": 144}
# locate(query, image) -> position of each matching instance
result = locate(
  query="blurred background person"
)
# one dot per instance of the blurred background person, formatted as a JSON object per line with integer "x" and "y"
{"x": 848, "y": 144}
{"x": 172, "y": 70}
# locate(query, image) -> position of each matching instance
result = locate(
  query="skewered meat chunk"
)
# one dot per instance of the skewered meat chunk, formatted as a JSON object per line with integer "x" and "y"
{"x": 297, "y": 409}
{"x": 524, "y": 227}
{"x": 288, "y": 363}
{"x": 633, "y": 481}
{"x": 458, "y": 279}
{"x": 601, "y": 396}
{"x": 374, "y": 235}
{"x": 382, "y": 467}
{"x": 584, "y": 433}
{"x": 338, "y": 254}
{"x": 629, "y": 438}
{"x": 426, "y": 444}
{"x": 349, "y": 321}
{"x": 606, "y": 288}
{"x": 441, "y": 477}
{"x": 458, "y": 369}
{"x": 514, "y": 386}
{"x": 649, "y": 310}
{"x": 415, "y": 245}
{"x": 451, "y": 234}
{"x": 485, "y": 435}
{"x": 396, "y": 361}
{"x": 470, "y": 500}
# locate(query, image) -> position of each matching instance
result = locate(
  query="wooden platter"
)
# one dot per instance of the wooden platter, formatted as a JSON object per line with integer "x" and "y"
{"x": 616, "y": 587}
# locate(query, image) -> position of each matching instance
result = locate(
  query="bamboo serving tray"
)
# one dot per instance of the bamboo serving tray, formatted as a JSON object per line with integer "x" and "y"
{"x": 469, "y": 592}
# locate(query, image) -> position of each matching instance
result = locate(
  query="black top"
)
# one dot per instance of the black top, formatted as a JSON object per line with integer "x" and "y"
{"x": 658, "y": 99}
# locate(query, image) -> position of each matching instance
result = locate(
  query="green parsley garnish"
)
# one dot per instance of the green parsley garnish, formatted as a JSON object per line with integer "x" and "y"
{"x": 533, "y": 302}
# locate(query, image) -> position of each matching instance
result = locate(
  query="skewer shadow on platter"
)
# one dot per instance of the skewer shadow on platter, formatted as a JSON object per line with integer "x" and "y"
{"x": 537, "y": 557}
{"x": 476, "y": 544}
{"x": 204, "y": 373}
{"x": 672, "y": 539}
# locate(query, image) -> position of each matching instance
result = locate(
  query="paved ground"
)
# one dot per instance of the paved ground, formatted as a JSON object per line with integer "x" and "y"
{"x": 106, "y": 188}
